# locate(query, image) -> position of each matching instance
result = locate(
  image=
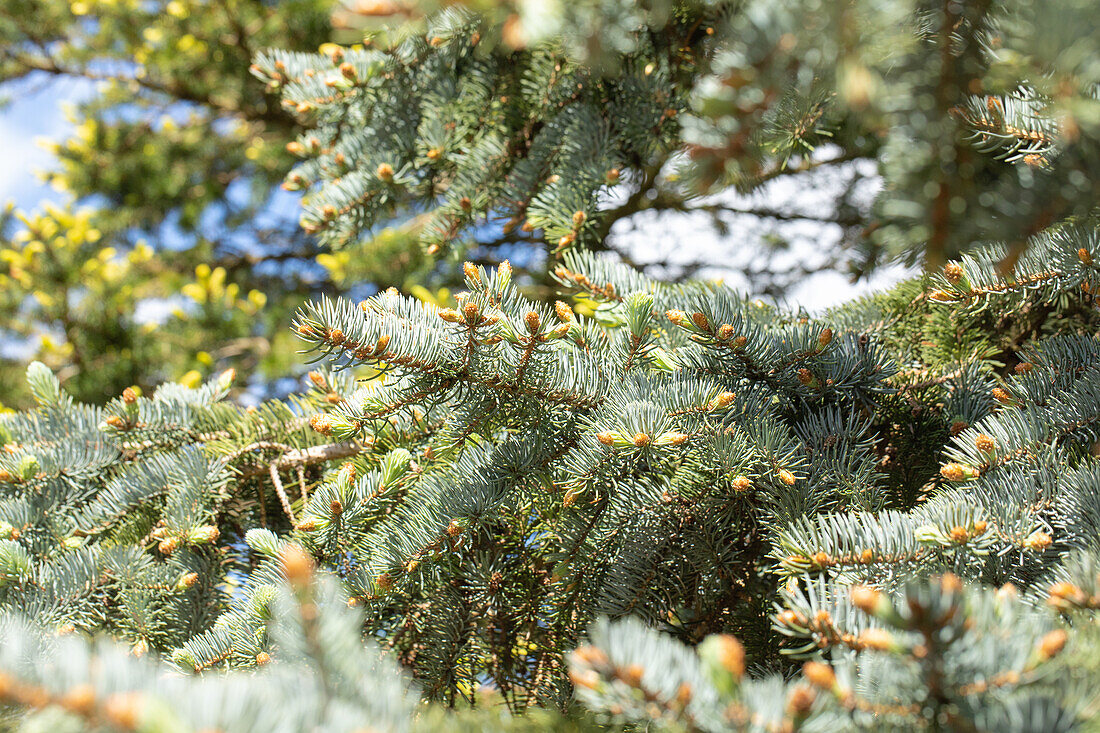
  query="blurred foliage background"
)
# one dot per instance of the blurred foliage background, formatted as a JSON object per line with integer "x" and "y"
{"x": 175, "y": 254}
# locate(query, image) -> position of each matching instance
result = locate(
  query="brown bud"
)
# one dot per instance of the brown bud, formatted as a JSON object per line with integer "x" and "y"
{"x": 724, "y": 399}
{"x": 384, "y": 581}
{"x": 348, "y": 71}
{"x": 678, "y": 317}
{"x": 641, "y": 440}
{"x": 297, "y": 564}
{"x": 321, "y": 423}
{"x": 612, "y": 176}
{"x": 587, "y": 678}
{"x": 434, "y": 153}
{"x": 189, "y": 580}
{"x": 1085, "y": 256}
{"x": 959, "y": 535}
{"x": 606, "y": 438}
{"x": 336, "y": 508}
{"x": 590, "y": 656}
{"x": 789, "y": 618}
{"x": 985, "y": 443}
{"x": 450, "y": 315}
{"x": 465, "y": 204}
{"x": 336, "y": 336}
{"x": 805, "y": 376}
{"x": 79, "y": 699}
{"x": 950, "y": 583}
{"x": 1052, "y": 643}
{"x": 865, "y": 598}
{"x": 532, "y": 321}
{"x": 333, "y": 398}
{"x": 469, "y": 269}
{"x": 953, "y": 472}
{"x": 800, "y": 701}
{"x": 263, "y": 658}
{"x": 384, "y": 171}
{"x": 567, "y": 240}
{"x": 116, "y": 422}
{"x": 471, "y": 313}
{"x": 958, "y": 426}
{"x": 942, "y": 296}
{"x": 1063, "y": 593}
{"x": 123, "y": 710}
{"x": 877, "y": 639}
{"x": 953, "y": 271}
{"x": 168, "y": 546}
{"x": 787, "y": 477}
{"x": 1038, "y": 541}
{"x": 631, "y": 674}
{"x": 730, "y": 654}
{"x": 308, "y": 525}
{"x": 683, "y": 694}
{"x": 741, "y": 484}
{"x": 739, "y": 342}
{"x": 381, "y": 344}
{"x": 980, "y": 527}
{"x": 563, "y": 311}
{"x": 1024, "y": 367}
{"x": 454, "y": 529}
{"x": 129, "y": 395}
{"x": 867, "y": 556}
{"x": 701, "y": 321}
{"x": 825, "y": 338}
{"x": 318, "y": 379}
{"x": 819, "y": 675}
{"x": 1002, "y": 396}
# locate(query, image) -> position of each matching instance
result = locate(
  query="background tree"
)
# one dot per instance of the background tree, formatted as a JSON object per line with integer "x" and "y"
{"x": 172, "y": 171}
{"x": 594, "y": 112}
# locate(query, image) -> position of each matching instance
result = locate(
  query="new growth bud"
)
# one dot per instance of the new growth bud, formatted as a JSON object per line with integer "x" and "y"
{"x": 820, "y": 675}
{"x": 297, "y": 565}
{"x": 450, "y": 315}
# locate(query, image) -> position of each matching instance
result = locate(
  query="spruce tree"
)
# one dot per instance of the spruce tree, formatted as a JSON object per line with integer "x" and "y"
{"x": 639, "y": 505}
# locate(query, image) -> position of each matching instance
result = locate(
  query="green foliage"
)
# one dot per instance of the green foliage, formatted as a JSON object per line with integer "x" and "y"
{"x": 122, "y": 518}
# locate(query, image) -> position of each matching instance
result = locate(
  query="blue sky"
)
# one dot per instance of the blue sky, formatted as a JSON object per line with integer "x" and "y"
{"x": 34, "y": 110}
